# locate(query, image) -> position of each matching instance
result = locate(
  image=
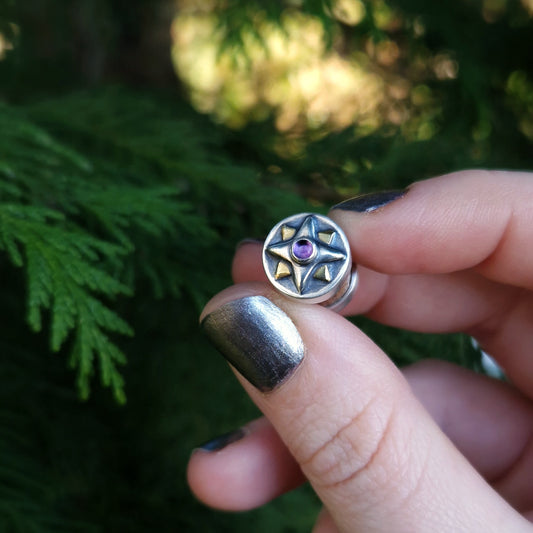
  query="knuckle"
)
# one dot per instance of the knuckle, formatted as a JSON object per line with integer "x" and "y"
{"x": 356, "y": 451}
{"x": 368, "y": 455}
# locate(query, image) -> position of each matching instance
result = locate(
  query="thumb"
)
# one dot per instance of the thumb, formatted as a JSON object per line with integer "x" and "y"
{"x": 372, "y": 453}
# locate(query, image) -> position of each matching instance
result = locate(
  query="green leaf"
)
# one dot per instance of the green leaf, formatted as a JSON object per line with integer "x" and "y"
{"x": 64, "y": 270}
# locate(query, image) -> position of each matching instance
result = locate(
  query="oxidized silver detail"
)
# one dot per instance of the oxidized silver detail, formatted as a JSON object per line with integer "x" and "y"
{"x": 307, "y": 257}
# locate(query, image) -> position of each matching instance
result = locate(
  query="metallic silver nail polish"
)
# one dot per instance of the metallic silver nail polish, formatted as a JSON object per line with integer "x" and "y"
{"x": 257, "y": 338}
{"x": 220, "y": 442}
{"x": 366, "y": 203}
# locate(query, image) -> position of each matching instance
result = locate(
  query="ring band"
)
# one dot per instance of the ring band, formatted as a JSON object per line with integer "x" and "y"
{"x": 307, "y": 257}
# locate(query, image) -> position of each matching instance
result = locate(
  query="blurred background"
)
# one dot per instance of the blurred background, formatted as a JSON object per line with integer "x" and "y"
{"x": 140, "y": 140}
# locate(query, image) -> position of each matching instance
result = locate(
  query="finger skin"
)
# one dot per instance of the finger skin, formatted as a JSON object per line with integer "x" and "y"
{"x": 429, "y": 303}
{"x": 325, "y": 523}
{"x": 487, "y": 420}
{"x": 247, "y": 473}
{"x": 453, "y": 254}
{"x": 472, "y": 219}
{"x": 370, "y": 450}
{"x": 462, "y": 224}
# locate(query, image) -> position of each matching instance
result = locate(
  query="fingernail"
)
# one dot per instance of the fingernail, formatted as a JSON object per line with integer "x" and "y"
{"x": 244, "y": 242}
{"x": 257, "y": 338}
{"x": 220, "y": 442}
{"x": 365, "y": 203}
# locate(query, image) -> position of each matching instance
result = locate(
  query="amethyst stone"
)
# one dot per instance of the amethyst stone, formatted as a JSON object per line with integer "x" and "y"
{"x": 303, "y": 249}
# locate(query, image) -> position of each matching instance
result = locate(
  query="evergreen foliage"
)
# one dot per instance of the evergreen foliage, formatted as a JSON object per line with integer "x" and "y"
{"x": 86, "y": 224}
{"x": 119, "y": 211}
{"x": 106, "y": 196}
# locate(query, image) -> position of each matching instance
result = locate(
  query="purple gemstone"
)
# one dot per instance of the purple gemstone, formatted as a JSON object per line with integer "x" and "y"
{"x": 303, "y": 249}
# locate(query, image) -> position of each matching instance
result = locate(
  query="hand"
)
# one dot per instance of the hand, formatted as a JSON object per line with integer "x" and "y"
{"x": 435, "y": 448}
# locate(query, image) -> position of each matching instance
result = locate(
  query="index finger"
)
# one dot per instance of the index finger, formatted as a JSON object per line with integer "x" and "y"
{"x": 479, "y": 220}
{"x": 451, "y": 254}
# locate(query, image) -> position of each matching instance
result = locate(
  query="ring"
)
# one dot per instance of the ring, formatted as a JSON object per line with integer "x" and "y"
{"x": 307, "y": 257}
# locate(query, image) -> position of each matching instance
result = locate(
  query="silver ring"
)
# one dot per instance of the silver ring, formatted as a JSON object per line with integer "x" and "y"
{"x": 307, "y": 257}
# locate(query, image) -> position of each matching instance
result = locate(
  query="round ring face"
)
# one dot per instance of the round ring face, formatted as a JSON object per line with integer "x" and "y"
{"x": 307, "y": 256}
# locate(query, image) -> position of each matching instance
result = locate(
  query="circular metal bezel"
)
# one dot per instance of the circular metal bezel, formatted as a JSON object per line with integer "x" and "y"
{"x": 314, "y": 281}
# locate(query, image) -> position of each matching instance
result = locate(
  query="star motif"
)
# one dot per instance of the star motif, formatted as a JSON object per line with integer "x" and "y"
{"x": 304, "y": 253}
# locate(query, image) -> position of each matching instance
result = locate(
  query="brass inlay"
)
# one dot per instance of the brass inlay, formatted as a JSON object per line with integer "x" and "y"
{"x": 326, "y": 236}
{"x": 322, "y": 273}
{"x": 287, "y": 232}
{"x": 282, "y": 271}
